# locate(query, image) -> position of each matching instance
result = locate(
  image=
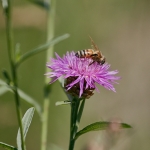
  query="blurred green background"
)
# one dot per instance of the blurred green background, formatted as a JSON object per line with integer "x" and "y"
{"x": 122, "y": 31}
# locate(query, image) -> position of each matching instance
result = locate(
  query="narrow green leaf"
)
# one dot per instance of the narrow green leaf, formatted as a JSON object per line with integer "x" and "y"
{"x": 30, "y": 100}
{"x": 98, "y": 126}
{"x": 7, "y": 146}
{"x": 2, "y": 82}
{"x": 79, "y": 114}
{"x": 41, "y": 48}
{"x": 4, "y": 88}
{"x": 26, "y": 121}
{"x": 5, "y": 6}
{"x": 6, "y": 75}
{"x": 62, "y": 102}
{"x": 80, "y": 111}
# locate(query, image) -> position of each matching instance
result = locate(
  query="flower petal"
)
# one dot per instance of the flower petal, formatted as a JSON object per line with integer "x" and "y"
{"x": 81, "y": 72}
{"x": 81, "y": 86}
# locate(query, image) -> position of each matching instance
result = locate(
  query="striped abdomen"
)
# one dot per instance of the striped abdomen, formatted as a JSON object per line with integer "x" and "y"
{"x": 85, "y": 53}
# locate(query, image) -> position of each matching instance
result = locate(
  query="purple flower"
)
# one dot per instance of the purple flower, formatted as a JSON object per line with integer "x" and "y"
{"x": 81, "y": 78}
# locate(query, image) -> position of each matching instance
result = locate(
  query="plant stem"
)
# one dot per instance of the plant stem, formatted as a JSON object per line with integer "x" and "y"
{"x": 76, "y": 113}
{"x": 45, "y": 123}
{"x": 9, "y": 34}
{"x": 46, "y": 105}
{"x": 71, "y": 144}
{"x": 79, "y": 115}
{"x": 50, "y": 30}
{"x": 74, "y": 108}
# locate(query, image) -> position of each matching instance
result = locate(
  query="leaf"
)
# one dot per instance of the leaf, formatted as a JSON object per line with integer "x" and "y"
{"x": 26, "y": 121}
{"x": 98, "y": 126}
{"x": 4, "y": 88}
{"x": 30, "y": 100}
{"x": 62, "y": 102}
{"x": 6, "y": 75}
{"x": 41, "y": 48}
{"x": 5, "y": 6}
{"x": 80, "y": 111}
{"x": 79, "y": 114}
{"x": 2, "y": 82}
{"x": 42, "y": 4}
{"x": 7, "y": 147}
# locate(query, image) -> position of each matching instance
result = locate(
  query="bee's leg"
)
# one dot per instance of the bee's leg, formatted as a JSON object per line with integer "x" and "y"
{"x": 91, "y": 63}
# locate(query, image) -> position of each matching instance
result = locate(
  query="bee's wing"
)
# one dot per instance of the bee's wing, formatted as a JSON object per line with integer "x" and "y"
{"x": 94, "y": 46}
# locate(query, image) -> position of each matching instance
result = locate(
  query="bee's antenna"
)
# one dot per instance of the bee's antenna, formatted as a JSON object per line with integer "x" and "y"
{"x": 93, "y": 44}
{"x": 91, "y": 38}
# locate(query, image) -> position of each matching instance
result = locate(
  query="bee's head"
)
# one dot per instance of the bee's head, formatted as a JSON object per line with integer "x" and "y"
{"x": 103, "y": 59}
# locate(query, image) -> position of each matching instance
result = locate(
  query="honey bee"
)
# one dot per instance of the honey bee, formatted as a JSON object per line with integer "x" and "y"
{"x": 95, "y": 54}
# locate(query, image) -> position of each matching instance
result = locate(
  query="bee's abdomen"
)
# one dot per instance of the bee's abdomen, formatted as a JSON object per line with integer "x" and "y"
{"x": 80, "y": 53}
{"x": 83, "y": 53}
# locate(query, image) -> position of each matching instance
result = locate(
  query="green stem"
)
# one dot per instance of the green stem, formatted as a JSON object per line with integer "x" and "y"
{"x": 46, "y": 105}
{"x": 71, "y": 144}
{"x": 45, "y": 123}
{"x": 74, "y": 108}
{"x": 81, "y": 107}
{"x": 18, "y": 109}
{"x": 50, "y": 29}
{"x": 9, "y": 34}
{"x": 76, "y": 113}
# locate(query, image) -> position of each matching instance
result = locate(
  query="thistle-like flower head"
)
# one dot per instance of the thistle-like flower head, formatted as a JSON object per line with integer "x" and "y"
{"x": 80, "y": 77}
